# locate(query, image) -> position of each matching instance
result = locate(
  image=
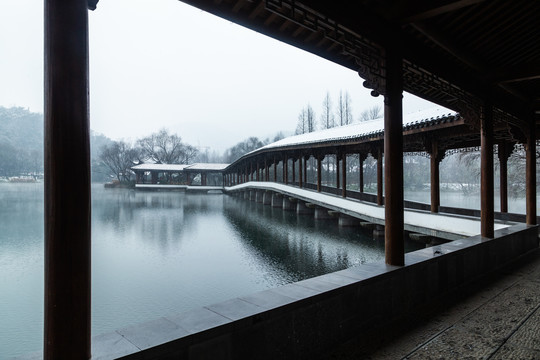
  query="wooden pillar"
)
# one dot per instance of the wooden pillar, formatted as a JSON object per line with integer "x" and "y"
{"x": 275, "y": 170}
{"x": 67, "y": 182}
{"x": 435, "y": 182}
{"x": 293, "y": 170}
{"x": 319, "y": 168}
{"x": 530, "y": 176}
{"x": 266, "y": 178}
{"x": 393, "y": 158}
{"x": 258, "y": 172}
{"x": 305, "y": 169}
{"x": 285, "y": 169}
{"x": 337, "y": 170}
{"x": 300, "y": 175}
{"x": 503, "y": 154}
{"x": 344, "y": 175}
{"x": 379, "y": 177}
{"x": 487, "y": 218}
{"x": 361, "y": 159}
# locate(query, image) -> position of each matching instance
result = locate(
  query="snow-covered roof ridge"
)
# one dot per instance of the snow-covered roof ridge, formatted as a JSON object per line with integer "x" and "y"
{"x": 207, "y": 166}
{"x": 162, "y": 167}
{"x": 179, "y": 167}
{"x": 361, "y": 130}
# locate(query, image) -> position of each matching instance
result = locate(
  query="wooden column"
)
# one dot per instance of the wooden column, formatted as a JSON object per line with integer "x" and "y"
{"x": 67, "y": 182}
{"x": 337, "y": 170}
{"x": 285, "y": 169}
{"x": 305, "y": 169}
{"x": 300, "y": 175}
{"x": 319, "y": 168}
{"x": 361, "y": 159}
{"x": 379, "y": 177}
{"x": 266, "y": 175}
{"x": 257, "y": 175}
{"x": 435, "y": 182}
{"x": 503, "y": 155}
{"x": 275, "y": 170}
{"x": 393, "y": 158}
{"x": 530, "y": 176}
{"x": 344, "y": 175}
{"x": 293, "y": 170}
{"x": 487, "y": 218}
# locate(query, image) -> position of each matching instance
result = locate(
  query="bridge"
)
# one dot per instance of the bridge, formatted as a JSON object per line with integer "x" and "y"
{"x": 446, "y": 226}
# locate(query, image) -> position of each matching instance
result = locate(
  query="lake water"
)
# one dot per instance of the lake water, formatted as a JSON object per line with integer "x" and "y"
{"x": 157, "y": 253}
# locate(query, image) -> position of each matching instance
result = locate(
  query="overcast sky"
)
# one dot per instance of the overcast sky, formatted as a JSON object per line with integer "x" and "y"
{"x": 163, "y": 64}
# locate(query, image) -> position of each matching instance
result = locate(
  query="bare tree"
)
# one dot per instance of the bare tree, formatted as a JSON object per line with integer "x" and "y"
{"x": 348, "y": 109}
{"x": 310, "y": 118}
{"x": 344, "y": 109}
{"x": 166, "y": 148}
{"x": 242, "y": 148}
{"x": 327, "y": 117}
{"x": 301, "y": 127}
{"x": 374, "y": 112}
{"x": 119, "y": 157}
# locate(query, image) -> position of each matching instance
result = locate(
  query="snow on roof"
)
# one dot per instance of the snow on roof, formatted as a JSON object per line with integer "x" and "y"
{"x": 358, "y": 130}
{"x": 179, "y": 167}
{"x": 207, "y": 166}
{"x": 160, "y": 167}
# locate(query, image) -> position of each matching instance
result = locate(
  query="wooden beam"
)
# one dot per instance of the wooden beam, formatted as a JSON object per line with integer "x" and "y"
{"x": 67, "y": 182}
{"x": 414, "y": 11}
{"x": 523, "y": 72}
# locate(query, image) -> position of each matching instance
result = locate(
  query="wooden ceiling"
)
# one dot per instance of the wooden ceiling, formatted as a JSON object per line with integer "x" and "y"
{"x": 459, "y": 54}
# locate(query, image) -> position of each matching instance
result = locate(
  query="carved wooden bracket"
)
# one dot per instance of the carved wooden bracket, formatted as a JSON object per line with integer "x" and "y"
{"x": 92, "y": 4}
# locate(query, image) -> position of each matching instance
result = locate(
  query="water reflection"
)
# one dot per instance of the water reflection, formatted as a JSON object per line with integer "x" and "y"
{"x": 154, "y": 253}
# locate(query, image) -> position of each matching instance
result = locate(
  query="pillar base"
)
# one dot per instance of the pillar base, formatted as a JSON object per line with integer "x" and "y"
{"x": 302, "y": 209}
{"x": 267, "y": 198}
{"x": 277, "y": 200}
{"x": 348, "y": 221}
{"x": 322, "y": 214}
{"x": 288, "y": 205}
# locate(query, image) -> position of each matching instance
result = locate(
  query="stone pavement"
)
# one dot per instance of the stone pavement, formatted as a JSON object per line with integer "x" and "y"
{"x": 497, "y": 317}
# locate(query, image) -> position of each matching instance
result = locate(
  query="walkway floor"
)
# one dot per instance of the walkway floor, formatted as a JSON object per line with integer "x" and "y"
{"x": 446, "y": 226}
{"x": 495, "y": 318}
